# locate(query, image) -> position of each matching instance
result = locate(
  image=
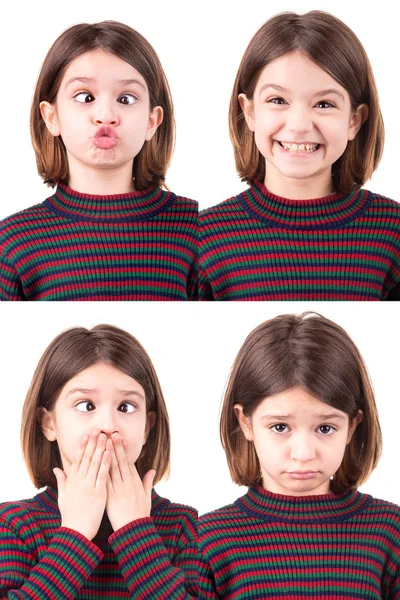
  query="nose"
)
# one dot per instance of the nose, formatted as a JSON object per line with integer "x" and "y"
{"x": 299, "y": 119}
{"x": 302, "y": 449}
{"x": 106, "y": 422}
{"x": 105, "y": 112}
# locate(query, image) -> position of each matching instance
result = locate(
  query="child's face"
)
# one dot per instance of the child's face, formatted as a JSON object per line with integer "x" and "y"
{"x": 100, "y": 397}
{"x": 299, "y": 440}
{"x": 297, "y": 102}
{"x": 99, "y": 89}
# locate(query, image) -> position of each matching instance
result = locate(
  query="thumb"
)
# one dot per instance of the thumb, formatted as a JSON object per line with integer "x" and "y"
{"x": 60, "y": 477}
{"x": 148, "y": 480}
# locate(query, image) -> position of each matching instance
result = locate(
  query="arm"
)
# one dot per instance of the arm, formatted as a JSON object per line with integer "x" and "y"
{"x": 59, "y": 573}
{"x": 205, "y": 289}
{"x": 10, "y": 284}
{"x": 147, "y": 567}
{"x": 207, "y": 588}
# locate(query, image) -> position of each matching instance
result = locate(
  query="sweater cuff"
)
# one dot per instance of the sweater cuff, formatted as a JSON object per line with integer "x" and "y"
{"x": 69, "y": 561}
{"x": 145, "y": 563}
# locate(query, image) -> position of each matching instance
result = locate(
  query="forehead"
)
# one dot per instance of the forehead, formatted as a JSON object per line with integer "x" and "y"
{"x": 102, "y": 67}
{"x": 296, "y": 71}
{"x": 297, "y": 403}
{"x": 103, "y": 377}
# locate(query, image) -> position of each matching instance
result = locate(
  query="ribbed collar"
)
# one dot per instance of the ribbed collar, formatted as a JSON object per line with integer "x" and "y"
{"x": 330, "y": 212}
{"x": 49, "y": 500}
{"x": 323, "y": 508}
{"x": 117, "y": 208}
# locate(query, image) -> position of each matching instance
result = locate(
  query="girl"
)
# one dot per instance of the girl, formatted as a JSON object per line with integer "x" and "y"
{"x": 102, "y": 127}
{"x": 307, "y": 133}
{"x": 95, "y": 432}
{"x": 300, "y": 427}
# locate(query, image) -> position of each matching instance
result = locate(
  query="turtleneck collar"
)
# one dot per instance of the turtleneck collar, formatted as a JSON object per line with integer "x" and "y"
{"x": 49, "y": 500}
{"x": 323, "y": 508}
{"x": 117, "y": 208}
{"x": 330, "y": 212}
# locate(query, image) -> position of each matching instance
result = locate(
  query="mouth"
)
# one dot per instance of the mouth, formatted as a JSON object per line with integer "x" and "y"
{"x": 305, "y": 148}
{"x": 105, "y": 138}
{"x": 302, "y": 474}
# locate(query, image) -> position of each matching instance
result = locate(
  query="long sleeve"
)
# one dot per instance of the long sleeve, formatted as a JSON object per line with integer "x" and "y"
{"x": 148, "y": 568}
{"x": 207, "y": 589}
{"x": 54, "y": 572}
{"x": 205, "y": 289}
{"x": 10, "y": 284}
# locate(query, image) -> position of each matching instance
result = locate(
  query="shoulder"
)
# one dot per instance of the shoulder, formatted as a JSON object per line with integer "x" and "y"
{"x": 185, "y": 205}
{"x": 174, "y": 513}
{"x": 219, "y": 518}
{"x": 226, "y": 208}
{"x": 18, "y": 514}
{"x": 385, "y": 509}
{"x": 379, "y": 201}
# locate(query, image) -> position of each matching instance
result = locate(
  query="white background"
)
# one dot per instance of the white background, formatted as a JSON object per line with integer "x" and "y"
{"x": 200, "y": 45}
{"x": 192, "y": 347}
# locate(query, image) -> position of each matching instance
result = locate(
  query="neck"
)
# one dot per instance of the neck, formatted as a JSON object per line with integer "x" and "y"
{"x": 307, "y": 188}
{"x": 100, "y": 181}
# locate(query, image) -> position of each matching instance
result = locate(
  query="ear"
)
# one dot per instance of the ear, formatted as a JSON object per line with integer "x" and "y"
{"x": 155, "y": 120}
{"x": 49, "y": 115}
{"x": 46, "y": 420}
{"x": 357, "y": 119}
{"x": 150, "y": 421}
{"x": 244, "y": 422}
{"x": 247, "y": 108}
{"x": 353, "y": 425}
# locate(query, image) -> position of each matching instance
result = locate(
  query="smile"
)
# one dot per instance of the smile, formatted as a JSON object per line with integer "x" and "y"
{"x": 299, "y": 147}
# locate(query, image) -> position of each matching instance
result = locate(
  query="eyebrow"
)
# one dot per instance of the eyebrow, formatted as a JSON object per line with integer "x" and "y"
{"x": 321, "y": 93}
{"x": 95, "y": 390}
{"x": 326, "y": 417}
{"x": 91, "y": 80}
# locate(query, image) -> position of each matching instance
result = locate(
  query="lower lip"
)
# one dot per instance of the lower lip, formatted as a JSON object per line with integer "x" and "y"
{"x": 105, "y": 142}
{"x": 302, "y": 475}
{"x": 301, "y": 154}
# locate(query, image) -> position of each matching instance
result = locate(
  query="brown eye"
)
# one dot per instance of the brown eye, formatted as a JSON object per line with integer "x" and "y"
{"x": 85, "y": 406}
{"x": 85, "y": 96}
{"x": 279, "y": 428}
{"x": 326, "y": 429}
{"x": 129, "y": 99}
{"x": 127, "y": 407}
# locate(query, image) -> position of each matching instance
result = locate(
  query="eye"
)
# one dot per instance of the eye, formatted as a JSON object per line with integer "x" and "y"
{"x": 279, "y": 428}
{"x": 83, "y": 97}
{"x": 127, "y": 407}
{"x": 85, "y": 406}
{"x": 131, "y": 99}
{"x": 278, "y": 101}
{"x": 326, "y": 430}
{"x": 327, "y": 104}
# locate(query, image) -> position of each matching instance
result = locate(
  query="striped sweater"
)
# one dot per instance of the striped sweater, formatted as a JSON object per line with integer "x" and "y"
{"x": 150, "y": 558}
{"x": 258, "y": 246}
{"x": 73, "y": 246}
{"x": 266, "y": 545}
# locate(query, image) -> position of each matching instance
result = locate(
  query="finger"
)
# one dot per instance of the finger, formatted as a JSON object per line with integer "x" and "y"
{"x": 148, "y": 481}
{"x": 104, "y": 469}
{"x": 120, "y": 454}
{"x": 89, "y": 452}
{"x": 114, "y": 468}
{"x": 109, "y": 484}
{"x": 76, "y": 462}
{"x": 97, "y": 459}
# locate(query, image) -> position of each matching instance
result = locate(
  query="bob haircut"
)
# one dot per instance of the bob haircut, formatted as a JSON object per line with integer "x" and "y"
{"x": 334, "y": 47}
{"x": 151, "y": 164}
{"x": 318, "y": 356}
{"x": 67, "y": 355}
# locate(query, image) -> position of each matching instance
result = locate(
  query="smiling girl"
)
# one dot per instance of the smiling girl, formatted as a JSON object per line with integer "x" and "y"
{"x": 307, "y": 133}
{"x": 102, "y": 127}
{"x": 95, "y": 432}
{"x": 300, "y": 428}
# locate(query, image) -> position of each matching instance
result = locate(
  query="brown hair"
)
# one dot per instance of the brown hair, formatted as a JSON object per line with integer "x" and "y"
{"x": 311, "y": 352}
{"x": 151, "y": 164}
{"x": 67, "y": 355}
{"x": 334, "y": 47}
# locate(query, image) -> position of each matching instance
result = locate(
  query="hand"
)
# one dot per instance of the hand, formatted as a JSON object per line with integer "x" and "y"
{"x": 128, "y": 498}
{"x": 82, "y": 495}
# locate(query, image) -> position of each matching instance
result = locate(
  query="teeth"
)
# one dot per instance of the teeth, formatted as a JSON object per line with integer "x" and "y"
{"x": 299, "y": 147}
